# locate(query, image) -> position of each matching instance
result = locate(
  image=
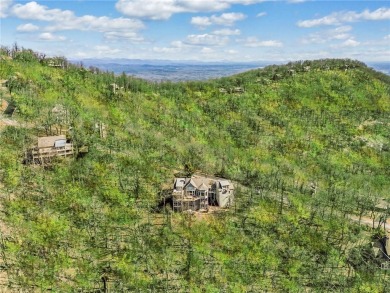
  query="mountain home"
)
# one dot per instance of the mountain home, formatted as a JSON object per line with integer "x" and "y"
{"x": 198, "y": 192}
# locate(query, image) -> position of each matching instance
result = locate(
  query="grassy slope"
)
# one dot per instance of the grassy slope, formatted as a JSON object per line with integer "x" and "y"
{"x": 91, "y": 217}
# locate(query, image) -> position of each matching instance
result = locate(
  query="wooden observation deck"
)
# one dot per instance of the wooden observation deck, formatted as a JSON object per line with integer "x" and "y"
{"x": 48, "y": 148}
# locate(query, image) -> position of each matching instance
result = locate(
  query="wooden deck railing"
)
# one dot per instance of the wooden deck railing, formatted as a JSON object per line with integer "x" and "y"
{"x": 44, "y": 154}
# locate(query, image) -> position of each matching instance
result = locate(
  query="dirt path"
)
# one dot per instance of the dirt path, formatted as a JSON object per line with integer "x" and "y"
{"x": 7, "y": 122}
{"x": 367, "y": 221}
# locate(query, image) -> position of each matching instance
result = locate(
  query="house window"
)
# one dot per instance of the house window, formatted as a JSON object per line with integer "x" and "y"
{"x": 191, "y": 192}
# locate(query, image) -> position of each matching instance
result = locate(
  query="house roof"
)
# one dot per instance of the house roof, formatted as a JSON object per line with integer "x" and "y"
{"x": 198, "y": 181}
{"x": 48, "y": 141}
{"x": 191, "y": 181}
{"x": 224, "y": 182}
{"x": 203, "y": 187}
{"x": 201, "y": 182}
{"x": 179, "y": 182}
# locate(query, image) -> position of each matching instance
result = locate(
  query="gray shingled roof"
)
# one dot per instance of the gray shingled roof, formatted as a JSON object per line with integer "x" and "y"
{"x": 203, "y": 187}
{"x": 201, "y": 182}
{"x": 224, "y": 183}
{"x": 179, "y": 182}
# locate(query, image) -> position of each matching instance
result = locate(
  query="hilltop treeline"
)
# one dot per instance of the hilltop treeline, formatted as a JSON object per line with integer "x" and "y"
{"x": 306, "y": 143}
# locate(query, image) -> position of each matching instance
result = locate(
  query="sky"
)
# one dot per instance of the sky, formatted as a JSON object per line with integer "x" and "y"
{"x": 205, "y": 30}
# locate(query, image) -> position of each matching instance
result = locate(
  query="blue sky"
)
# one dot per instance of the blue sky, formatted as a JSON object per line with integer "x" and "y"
{"x": 207, "y": 30}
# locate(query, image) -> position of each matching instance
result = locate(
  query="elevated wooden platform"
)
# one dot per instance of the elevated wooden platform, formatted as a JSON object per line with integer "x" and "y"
{"x": 48, "y": 148}
{"x": 44, "y": 154}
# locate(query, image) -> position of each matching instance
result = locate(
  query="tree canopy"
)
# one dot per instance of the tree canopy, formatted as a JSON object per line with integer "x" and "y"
{"x": 307, "y": 145}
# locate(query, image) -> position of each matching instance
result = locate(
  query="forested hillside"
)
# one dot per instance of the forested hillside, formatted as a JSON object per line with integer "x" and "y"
{"x": 307, "y": 145}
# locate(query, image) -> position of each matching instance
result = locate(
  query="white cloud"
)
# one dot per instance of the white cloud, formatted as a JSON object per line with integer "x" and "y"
{"x": 339, "y": 33}
{"x": 4, "y": 6}
{"x": 106, "y": 50}
{"x": 176, "y": 47}
{"x": 261, "y": 14}
{"x": 178, "y": 44}
{"x": 129, "y": 36}
{"x": 81, "y": 54}
{"x": 301, "y": 55}
{"x": 191, "y": 43}
{"x": 350, "y": 43}
{"x": 371, "y": 54}
{"x": 296, "y": 1}
{"x": 206, "y": 40}
{"x": 254, "y": 42}
{"x": 66, "y": 19}
{"x": 231, "y": 51}
{"x": 113, "y": 28}
{"x": 99, "y": 24}
{"x": 227, "y": 32}
{"x": 33, "y": 10}
{"x": 201, "y": 21}
{"x": 225, "y": 19}
{"x": 338, "y": 18}
{"x": 386, "y": 37}
{"x": 50, "y": 37}
{"x": 97, "y": 51}
{"x": 164, "y": 9}
{"x": 166, "y": 50}
{"x": 28, "y": 27}
{"x": 206, "y": 50}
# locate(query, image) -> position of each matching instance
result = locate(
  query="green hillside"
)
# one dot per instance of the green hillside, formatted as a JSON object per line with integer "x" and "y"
{"x": 307, "y": 145}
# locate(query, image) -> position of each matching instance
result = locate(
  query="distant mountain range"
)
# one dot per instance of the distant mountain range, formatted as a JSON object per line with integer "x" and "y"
{"x": 182, "y": 70}
{"x": 380, "y": 66}
{"x": 124, "y": 61}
